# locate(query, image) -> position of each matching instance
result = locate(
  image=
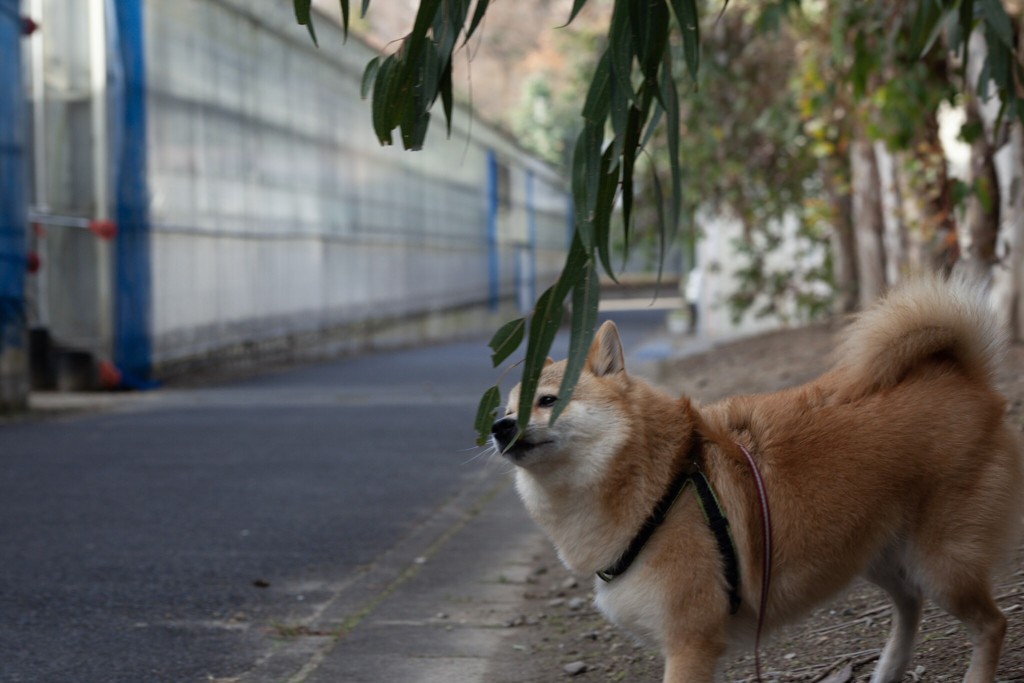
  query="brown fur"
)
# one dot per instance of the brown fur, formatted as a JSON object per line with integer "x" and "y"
{"x": 895, "y": 465}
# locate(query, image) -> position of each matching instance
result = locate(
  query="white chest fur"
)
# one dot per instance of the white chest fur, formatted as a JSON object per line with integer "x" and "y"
{"x": 633, "y": 602}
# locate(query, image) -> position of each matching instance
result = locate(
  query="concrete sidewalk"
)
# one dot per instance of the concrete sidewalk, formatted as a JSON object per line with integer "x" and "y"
{"x": 432, "y": 609}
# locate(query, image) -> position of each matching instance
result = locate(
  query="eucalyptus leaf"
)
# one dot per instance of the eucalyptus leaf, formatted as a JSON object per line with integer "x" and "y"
{"x": 581, "y": 210}
{"x": 369, "y": 76}
{"x": 446, "y": 95}
{"x": 595, "y": 107}
{"x": 689, "y": 27}
{"x": 649, "y": 22}
{"x": 415, "y": 132}
{"x": 506, "y": 340}
{"x": 301, "y": 11}
{"x": 609, "y": 182}
{"x": 620, "y": 48}
{"x": 998, "y": 20}
{"x": 304, "y": 17}
{"x": 964, "y": 26}
{"x": 447, "y": 26}
{"x": 632, "y": 143}
{"x": 544, "y": 324}
{"x": 344, "y": 20}
{"x": 430, "y": 75}
{"x": 984, "y": 77}
{"x": 619, "y": 118}
{"x": 572, "y": 271}
{"x": 585, "y": 179}
{"x": 382, "y": 89}
{"x": 936, "y": 32}
{"x": 486, "y": 413}
{"x": 927, "y": 26}
{"x": 1000, "y": 61}
{"x": 577, "y": 5}
{"x": 546, "y": 319}
{"x": 585, "y": 298}
{"x": 652, "y": 125}
{"x": 593, "y": 141}
{"x": 478, "y": 15}
{"x": 413, "y": 46}
{"x": 956, "y": 42}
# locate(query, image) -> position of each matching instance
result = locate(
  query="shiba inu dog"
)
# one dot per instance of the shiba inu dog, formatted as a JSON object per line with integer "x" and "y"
{"x": 895, "y": 465}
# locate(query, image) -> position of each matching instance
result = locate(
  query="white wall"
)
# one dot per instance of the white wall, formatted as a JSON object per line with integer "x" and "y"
{"x": 274, "y": 208}
{"x": 720, "y": 262}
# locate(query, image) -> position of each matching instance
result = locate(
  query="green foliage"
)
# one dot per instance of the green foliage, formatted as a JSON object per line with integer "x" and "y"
{"x": 406, "y": 84}
{"x": 633, "y": 95}
{"x": 882, "y": 77}
{"x": 486, "y": 413}
{"x": 506, "y": 340}
{"x": 746, "y": 155}
{"x": 585, "y": 298}
{"x": 957, "y": 19}
{"x": 899, "y": 105}
{"x": 745, "y": 148}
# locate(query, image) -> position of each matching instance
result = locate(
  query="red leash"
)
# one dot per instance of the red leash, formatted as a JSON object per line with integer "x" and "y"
{"x": 766, "y": 564}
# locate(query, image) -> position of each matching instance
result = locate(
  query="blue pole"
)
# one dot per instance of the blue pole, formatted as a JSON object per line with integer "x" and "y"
{"x": 13, "y": 208}
{"x": 531, "y": 237}
{"x": 132, "y": 276}
{"x": 493, "y": 284}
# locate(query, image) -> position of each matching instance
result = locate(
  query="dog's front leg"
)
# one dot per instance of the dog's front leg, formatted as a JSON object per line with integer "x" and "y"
{"x": 694, "y": 661}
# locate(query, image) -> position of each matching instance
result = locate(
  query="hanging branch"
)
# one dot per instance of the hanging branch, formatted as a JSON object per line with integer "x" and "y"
{"x": 633, "y": 90}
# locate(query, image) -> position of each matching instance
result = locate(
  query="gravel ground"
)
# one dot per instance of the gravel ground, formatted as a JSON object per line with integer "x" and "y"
{"x": 557, "y": 635}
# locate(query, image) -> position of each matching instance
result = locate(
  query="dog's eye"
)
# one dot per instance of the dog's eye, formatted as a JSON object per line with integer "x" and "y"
{"x": 546, "y": 401}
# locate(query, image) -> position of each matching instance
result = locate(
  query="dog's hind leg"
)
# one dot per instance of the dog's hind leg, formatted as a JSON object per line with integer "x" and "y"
{"x": 971, "y": 602}
{"x": 968, "y": 532}
{"x": 889, "y": 575}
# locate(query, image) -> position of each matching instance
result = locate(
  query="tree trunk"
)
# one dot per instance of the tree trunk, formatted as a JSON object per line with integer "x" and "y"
{"x": 894, "y": 236}
{"x": 1009, "y": 272}
{"x": 844, "y": 250}
{"x": 1013, "y": 224}
{"x": 844, "y": 242}
{"x": 996, "y": 241}
{"x": 980, "y": 231}
{"x": 931, "y": 238}
{"x": 981, "y": 218}
{"x": 868, "y": 224}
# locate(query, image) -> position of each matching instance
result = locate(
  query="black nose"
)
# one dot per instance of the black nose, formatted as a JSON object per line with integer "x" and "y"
{"x": 504, "y": 431}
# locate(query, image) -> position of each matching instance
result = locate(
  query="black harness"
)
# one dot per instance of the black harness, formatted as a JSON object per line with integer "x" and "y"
{"x": 713, "y": 515}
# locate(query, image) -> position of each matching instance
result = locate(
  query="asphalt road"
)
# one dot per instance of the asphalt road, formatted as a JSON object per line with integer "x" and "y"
{"x": 145, "y": 544}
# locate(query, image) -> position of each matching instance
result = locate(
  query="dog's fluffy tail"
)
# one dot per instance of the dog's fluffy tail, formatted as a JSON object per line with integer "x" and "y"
{"x": 925, "y": 318}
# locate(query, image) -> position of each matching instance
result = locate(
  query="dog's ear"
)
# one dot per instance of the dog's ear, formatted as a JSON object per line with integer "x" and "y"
{"x": 605, "y": 356}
